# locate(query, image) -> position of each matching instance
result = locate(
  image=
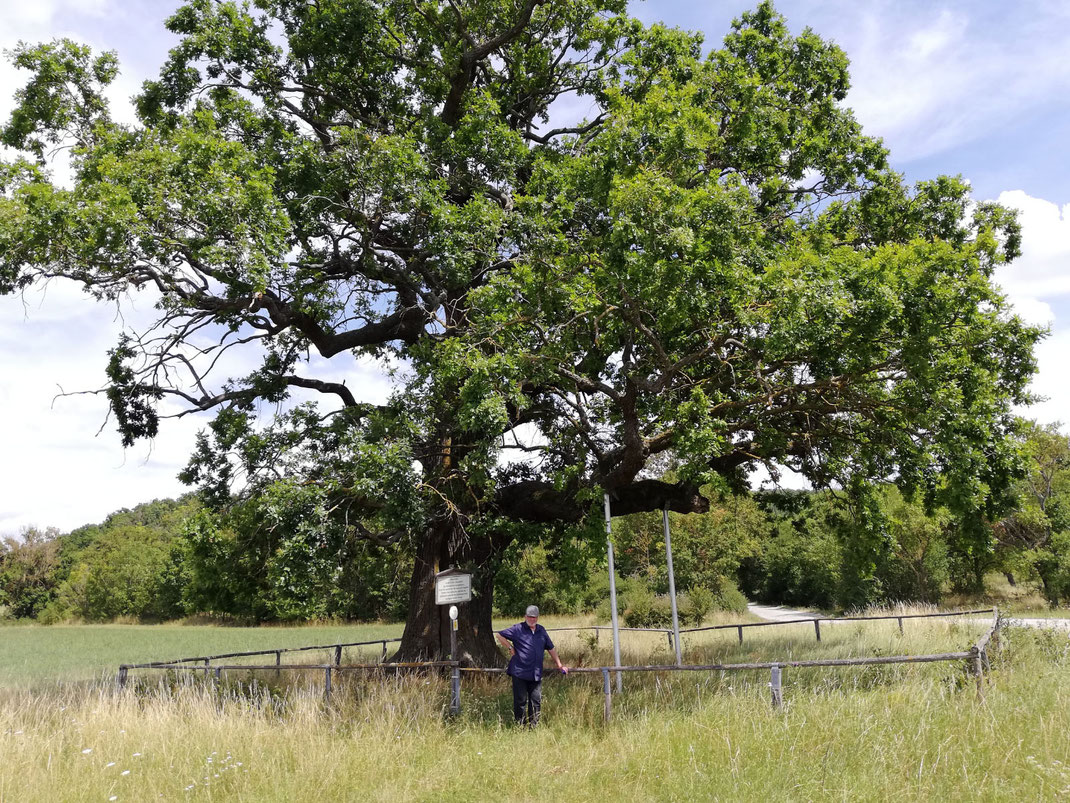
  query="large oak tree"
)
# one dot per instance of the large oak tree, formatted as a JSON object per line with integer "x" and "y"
{"x": 709, "y": 264}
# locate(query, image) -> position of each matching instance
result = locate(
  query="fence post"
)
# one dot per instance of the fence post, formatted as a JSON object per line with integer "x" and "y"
{"x": 327, "y": 683}
{"x": 976, "y": 668}
{"x": 607, "y": 711}
{"x": 383, "y": 660}
{"x": 455, "y": 689}
{"x": 122, "y": 676}
{"x": 817, "y": 628}
{"x": 900, "y": 618}
{"x": 206, "y": 660}
{"x": 338, "y": 655}
{"x": 775, "y": 687}
{"x": 740, "y": 629}
{"x": 671, "y": 644}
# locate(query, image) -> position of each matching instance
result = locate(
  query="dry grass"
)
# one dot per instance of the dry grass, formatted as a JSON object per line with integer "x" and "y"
{"x": 908, "y": 733}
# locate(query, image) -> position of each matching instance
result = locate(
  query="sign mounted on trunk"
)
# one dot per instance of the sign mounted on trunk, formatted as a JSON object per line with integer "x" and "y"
{"x": 453, "y": 586}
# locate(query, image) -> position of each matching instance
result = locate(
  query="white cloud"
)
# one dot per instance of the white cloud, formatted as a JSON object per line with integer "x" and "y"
{"x": 1043, "y": 270}
{"x": 938, "y": 75}
{"x": 1038, "y": 283}
{"x": 1052, "y": 380}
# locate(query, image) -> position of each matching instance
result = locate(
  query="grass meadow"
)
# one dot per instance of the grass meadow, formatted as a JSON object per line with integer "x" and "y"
{"x": 907, "y": 732}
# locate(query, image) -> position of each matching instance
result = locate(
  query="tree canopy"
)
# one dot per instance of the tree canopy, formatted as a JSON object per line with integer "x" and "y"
{"x": 710, "y": 267}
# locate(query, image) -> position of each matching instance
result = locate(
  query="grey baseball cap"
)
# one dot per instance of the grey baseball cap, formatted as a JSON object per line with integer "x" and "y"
{"x": 533, "y": 610}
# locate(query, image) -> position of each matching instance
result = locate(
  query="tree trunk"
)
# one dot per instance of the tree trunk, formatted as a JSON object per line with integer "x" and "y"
{"x": 427, "y": 628}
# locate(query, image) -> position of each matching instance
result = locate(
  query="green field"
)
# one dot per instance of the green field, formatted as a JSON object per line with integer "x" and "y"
{"x": 871, "y": 733}
{"x": 32, "y": 654}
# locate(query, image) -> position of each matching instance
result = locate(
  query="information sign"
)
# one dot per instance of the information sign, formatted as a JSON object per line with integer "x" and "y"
{"x": 453, "y": 586}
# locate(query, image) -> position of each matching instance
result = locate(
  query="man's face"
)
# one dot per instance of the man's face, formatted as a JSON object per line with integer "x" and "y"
{"x": 531, "y": 620}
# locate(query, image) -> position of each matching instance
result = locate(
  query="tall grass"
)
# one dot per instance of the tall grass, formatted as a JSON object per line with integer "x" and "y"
{"x": 909, "y": 733}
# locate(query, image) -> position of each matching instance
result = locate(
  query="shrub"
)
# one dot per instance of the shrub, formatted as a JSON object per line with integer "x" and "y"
{"x": 695, "y": 606}
{"x": 730, "y": 598}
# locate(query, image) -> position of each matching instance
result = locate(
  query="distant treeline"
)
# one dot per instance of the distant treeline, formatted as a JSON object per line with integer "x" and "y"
{"x": 264, "y": 562}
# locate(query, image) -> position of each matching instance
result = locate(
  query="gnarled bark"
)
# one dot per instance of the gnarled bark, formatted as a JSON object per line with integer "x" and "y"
{"x": 427, "y": 628}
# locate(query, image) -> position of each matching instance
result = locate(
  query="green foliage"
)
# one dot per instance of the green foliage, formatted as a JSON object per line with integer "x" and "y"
{"x": 830, "y": 552}
{"x": 717, "y": 269}
{"x": 27, "y": 571}
{"x": 1034, "y": 538}
{"x": 131, "y": 565}
{"x": 280, "y": 556}
{"x": 802, "y": 567}
{"x": 707, "y": 547}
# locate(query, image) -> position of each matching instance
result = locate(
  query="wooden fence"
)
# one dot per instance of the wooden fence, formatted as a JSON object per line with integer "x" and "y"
{"x": 976, "y": 659}
{"x": 815, "y": 621}
{"x": 206, "y": 660}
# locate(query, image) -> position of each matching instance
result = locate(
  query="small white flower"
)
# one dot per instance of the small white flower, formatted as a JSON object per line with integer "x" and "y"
{"x": 109, "y": 764}
{"x": 113, "y": 797}
{"x": 87, "y": 751}
{"x": 125, "y": 772}
{"x": 136, "y": 755}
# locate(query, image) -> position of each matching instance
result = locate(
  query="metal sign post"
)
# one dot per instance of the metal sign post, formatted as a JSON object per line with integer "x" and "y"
{"x": 613, "y": 595}
{"x": 455, "y": 679}
{"x": 451, "y": 587}
{"x": 672, "y": 587}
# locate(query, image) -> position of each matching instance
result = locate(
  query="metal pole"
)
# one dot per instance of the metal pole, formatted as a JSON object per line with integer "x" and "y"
{"x": 607, "y": 711}
{"x": 613, "y": 594}
{"x": 672, "y": 587}
{"x": 455, "y": 691}
{"x": 455, "y": 679}
{"x": 775, "y": 687}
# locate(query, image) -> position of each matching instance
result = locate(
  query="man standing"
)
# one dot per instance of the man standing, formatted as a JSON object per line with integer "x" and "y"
{"x": 526, "y": 642}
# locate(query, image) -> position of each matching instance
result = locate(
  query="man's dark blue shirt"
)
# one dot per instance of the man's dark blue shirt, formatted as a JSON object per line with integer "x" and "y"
{"x": 529, "y": 646}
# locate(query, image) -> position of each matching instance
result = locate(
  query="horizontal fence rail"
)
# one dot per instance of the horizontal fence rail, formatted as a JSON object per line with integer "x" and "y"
{"x": 976, "y": 660}
{"x": 276, "y": 652}
{"x": 808, "y": 620}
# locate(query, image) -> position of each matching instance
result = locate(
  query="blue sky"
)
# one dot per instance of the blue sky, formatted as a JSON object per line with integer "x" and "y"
{"x": 977, "y": 88}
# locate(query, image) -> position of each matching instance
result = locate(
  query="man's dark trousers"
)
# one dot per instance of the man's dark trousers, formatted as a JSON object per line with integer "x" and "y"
{"x": 527, "y": 700}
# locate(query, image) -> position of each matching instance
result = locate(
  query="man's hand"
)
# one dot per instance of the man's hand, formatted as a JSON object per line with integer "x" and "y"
{"x": 564, "y": 670}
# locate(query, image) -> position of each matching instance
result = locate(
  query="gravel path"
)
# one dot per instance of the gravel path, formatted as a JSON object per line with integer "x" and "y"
{"x": 1059, "y": 624}
{"x": 778, "y": 613}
